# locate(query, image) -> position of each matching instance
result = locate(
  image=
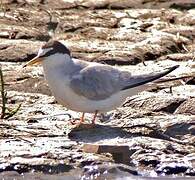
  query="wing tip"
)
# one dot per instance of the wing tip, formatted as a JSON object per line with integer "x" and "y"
{"x": 153, "y": 78}
{"x": 173, "y": 68}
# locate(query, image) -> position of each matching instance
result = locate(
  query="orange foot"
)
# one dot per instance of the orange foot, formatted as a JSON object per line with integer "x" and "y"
{"x": 73, "y": 122}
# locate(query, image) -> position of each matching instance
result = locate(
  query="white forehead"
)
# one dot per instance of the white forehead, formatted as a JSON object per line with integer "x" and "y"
{"x": 43, "y": 51}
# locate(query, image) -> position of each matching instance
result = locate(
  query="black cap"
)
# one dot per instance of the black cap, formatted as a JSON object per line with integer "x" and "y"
{"x": 56, "y": 47}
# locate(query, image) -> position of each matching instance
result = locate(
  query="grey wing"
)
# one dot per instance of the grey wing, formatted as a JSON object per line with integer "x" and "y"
{"x": 100, "y": 82}
{"x": 96, "y": 82}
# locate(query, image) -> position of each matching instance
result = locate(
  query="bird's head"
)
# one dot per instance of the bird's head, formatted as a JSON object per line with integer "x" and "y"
{"x": 51, "y": 48}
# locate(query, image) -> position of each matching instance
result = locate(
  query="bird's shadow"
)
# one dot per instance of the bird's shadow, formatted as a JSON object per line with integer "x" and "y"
{"x": 88, "y": 133}
{"x": 93, "y": 133}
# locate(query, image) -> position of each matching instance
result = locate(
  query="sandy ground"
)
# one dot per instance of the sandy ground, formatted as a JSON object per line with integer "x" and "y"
{"x": 151, "y": 135}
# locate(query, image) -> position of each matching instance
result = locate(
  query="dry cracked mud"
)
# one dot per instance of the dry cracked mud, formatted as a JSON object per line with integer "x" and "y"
{"x": 151, "y": 135}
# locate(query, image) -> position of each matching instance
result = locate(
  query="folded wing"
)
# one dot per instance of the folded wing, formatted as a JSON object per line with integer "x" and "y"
{"x": 101, "y": 81}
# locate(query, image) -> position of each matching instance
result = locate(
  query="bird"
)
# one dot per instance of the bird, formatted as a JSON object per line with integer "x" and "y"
{"x": 88, "y": 87}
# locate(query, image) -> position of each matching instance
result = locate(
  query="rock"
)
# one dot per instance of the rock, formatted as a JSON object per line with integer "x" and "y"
{"x": 17, "y": 50}
{"x": 120, "y": 154}
{"x": 152, "y": 133}
{"x": 173, "y": 168}
{"x": 111, "y": 171}
{"x": 187, "y": 107}
{"x": 12, "y": 30}
{"x": 155, "y": 103}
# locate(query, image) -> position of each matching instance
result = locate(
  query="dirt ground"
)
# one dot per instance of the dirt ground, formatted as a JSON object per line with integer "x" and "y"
{"x": 151, "y": 135}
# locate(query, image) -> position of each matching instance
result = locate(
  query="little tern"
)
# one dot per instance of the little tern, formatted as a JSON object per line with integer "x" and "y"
{"x": 88, "y": 87}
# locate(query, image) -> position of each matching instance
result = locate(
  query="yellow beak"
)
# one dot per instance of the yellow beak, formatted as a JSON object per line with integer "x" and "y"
{"x": 35, "y": 60}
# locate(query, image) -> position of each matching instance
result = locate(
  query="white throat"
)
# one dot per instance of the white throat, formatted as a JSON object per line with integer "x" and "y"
{"x": 57, "y": 67}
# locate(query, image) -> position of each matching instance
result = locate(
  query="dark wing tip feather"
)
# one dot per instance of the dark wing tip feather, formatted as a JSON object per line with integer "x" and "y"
{"x": 151, "y": 77}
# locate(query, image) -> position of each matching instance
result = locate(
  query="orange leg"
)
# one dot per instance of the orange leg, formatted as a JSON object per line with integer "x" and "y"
{"x": 94, "y": 117}
{"x": 82, "y": 118}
